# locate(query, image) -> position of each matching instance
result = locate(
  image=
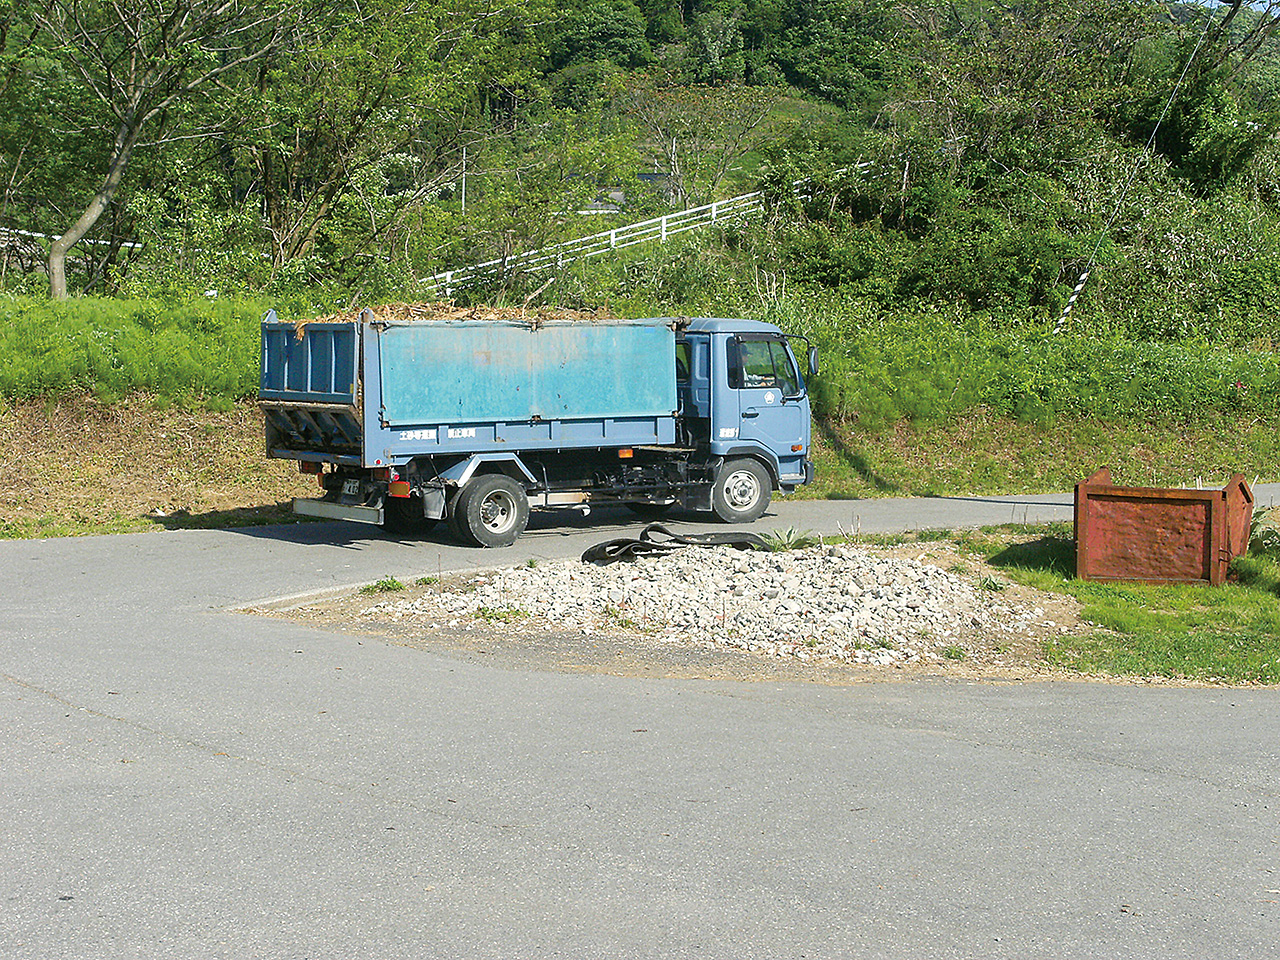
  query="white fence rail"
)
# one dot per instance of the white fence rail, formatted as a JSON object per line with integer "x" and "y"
{"x": 561, "y": 254}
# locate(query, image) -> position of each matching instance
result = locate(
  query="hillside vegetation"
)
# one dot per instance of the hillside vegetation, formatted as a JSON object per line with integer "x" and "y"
{"x": 937, "y": 178}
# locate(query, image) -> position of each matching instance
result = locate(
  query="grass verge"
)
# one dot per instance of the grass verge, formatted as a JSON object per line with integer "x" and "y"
{"x": 982, "y": 453}
{"x": 1195, "y": 632}
{"x": 76, "y": 465}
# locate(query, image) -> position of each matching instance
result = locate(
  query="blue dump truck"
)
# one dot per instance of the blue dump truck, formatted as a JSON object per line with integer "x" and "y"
{"x": 476, "y": 421}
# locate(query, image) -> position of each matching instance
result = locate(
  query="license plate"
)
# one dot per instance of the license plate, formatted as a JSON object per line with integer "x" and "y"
{"x": 351, "y": 488}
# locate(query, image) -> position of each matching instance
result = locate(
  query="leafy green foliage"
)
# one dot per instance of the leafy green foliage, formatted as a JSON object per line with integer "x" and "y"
{"x": 1264, "y": 533}
{"x": 115, "y": 347}
{"x": 792, "y": 538}
{"x": 387, "y": 584}
{"x": 848, "y": 53}
{"x": 590, "y": 32}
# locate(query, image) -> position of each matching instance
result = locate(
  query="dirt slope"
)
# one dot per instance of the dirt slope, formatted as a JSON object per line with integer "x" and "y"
{"x": 80, "y": 466}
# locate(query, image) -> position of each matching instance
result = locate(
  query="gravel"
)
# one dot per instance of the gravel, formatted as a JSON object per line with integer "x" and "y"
{"x": 835, "y": 603}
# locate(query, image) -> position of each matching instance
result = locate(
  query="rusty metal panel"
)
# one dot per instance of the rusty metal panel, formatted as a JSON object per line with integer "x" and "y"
{"x": 1155, "y": 534}
{"x": 1239, "y": 515}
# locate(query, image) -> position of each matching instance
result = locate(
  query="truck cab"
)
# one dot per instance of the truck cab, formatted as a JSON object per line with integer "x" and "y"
{"x": 742, "y": 395}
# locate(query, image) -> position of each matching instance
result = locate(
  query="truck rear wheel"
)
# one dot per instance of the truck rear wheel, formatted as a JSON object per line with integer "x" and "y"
{"x": 490, "y": 511}
{"x": 742, "y": 490}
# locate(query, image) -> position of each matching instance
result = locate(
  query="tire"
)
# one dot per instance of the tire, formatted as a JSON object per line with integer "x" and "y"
{"x": 490, "y": 511}
{"x": 742, "y": 491}
{"x": 650, "y": 511}
{"x": 401, "y": 515}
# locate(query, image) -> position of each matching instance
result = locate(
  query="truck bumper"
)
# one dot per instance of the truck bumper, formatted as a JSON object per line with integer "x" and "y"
{"x": 337, "y": 511}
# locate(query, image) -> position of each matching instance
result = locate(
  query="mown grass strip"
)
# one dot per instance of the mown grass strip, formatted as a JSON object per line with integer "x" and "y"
{"x": 983, "y": 453}
{"x": 1199, "y": 632}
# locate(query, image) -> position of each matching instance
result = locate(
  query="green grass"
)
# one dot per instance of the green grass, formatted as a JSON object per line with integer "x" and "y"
{"x": 1229, "y": 633}
{"x": 983, "y": 453}
{"x": 71, "y": 525}
{"x": 501, "y": 615}
{"x": 387, "y": 584}
{"x": 39, "y": 528}
{"x": 199, "y": 348}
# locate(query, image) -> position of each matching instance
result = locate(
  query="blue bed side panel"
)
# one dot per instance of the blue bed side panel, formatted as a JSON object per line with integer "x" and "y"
{"x": 473, "y": 372}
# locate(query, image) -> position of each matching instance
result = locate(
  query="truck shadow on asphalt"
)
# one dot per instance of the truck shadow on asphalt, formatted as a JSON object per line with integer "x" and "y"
{"x": 608, "y": 521}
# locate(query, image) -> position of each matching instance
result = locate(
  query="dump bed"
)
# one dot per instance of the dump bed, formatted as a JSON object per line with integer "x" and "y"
{"x": 378, "y": 392}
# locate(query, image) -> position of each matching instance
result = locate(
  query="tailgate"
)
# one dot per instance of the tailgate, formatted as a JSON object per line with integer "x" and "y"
{"x": 310, "y": 387}
{"x": 320, "y": 366}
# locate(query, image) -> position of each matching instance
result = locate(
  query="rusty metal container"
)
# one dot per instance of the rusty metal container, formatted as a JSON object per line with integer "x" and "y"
{"x": 1159, "y": 535}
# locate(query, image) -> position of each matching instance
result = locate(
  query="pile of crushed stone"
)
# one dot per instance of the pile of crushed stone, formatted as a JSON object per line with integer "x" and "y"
{"x": 835, "y": 603}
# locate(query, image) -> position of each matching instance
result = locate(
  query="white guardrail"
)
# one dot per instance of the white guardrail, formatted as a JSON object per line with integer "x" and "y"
{"x": 561, "y": 254}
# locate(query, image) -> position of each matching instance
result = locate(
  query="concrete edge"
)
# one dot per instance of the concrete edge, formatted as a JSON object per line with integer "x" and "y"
{"x": 292, "y": 601}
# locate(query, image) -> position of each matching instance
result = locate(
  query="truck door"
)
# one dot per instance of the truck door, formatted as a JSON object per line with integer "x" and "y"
{"x": 772, "y": 405}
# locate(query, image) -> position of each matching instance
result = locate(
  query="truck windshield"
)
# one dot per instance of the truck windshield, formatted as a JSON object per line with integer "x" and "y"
{"x": 762, "y": 364}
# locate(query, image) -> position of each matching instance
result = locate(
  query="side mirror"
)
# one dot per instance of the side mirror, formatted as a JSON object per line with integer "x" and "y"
{"x": 813, "y": 361}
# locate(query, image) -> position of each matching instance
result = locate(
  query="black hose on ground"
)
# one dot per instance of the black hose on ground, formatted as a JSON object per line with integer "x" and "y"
{"x": 656, "y": 539}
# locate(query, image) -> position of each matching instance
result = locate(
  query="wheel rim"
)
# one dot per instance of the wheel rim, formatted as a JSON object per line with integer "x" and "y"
{"x": 498, "y": 511}
{"x": 741, "y": 489}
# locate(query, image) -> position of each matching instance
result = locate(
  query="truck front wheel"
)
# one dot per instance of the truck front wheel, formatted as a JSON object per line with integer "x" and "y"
{"x": 491, "y": 511}
{"x": 741, "y": 492}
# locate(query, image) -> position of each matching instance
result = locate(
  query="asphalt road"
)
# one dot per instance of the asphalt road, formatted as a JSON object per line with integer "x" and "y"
{"x": 179, "y": 779}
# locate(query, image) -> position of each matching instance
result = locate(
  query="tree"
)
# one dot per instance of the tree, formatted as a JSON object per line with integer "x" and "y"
{"x": 357, "y": 118}
{"x": 715, "y": 48}
{"x": 850, "y": 53}
{"x": 699, "y": 131}
{"x": 1236, "y": 47}
{"x": 612, "y": 30}
{"x": 143, "y": 62}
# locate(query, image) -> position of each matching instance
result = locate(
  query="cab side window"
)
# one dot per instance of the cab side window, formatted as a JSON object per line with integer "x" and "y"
{"x": 683, "y": 361}
{"x": 762, "y": 364}
{"x": 784, "y": 368}
{"x": 735, "y": 364}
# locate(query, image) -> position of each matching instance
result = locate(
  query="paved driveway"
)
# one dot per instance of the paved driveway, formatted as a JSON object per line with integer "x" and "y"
{"x": 181, "y": 780}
